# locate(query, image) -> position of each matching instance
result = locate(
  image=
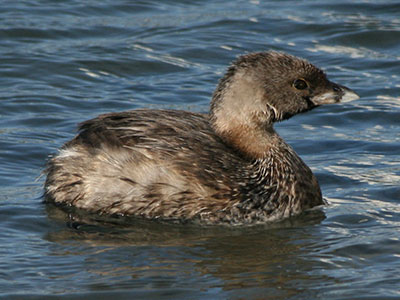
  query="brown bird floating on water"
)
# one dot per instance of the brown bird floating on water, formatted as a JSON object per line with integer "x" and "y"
{"x": 228, "y": 166}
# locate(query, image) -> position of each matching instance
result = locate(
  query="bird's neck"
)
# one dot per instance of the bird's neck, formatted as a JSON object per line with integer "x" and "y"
{"x": 253, "y": 142}
{"x": 241, "y": 116}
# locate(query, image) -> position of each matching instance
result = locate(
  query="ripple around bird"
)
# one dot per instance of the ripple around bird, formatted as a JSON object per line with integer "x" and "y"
{"x": 64, "y": 62}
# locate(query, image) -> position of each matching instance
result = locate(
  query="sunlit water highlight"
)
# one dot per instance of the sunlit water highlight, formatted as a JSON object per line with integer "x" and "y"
{"x": 64, "y": 62}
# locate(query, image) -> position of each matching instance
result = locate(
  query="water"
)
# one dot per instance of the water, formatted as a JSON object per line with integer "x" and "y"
{"x": 64, "y": 62}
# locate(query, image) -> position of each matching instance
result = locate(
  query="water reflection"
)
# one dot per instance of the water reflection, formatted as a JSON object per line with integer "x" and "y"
{"x": 130, "y": 252}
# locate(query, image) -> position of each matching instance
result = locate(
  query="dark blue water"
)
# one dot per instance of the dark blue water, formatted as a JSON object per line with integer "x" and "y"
{"x": 62, "y": 62}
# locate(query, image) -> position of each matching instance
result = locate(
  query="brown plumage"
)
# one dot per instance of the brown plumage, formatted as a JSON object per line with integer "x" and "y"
{"x": 226, "y": 167}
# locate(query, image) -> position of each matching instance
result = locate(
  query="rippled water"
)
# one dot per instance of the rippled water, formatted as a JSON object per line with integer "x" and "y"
{"x": 62, "y": 62}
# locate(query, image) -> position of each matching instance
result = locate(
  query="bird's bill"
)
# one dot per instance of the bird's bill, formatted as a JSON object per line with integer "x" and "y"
{"x": 338, "y": 93}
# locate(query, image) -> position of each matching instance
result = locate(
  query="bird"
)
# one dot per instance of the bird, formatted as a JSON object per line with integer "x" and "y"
{"x": 228, "y": 166}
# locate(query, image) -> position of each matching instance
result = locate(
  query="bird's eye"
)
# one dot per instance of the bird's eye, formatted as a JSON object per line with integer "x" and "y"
{"x": 300, "y": 84}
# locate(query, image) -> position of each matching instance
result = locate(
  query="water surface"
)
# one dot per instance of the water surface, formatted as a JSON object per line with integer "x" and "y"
{"x": 64, "y": 62}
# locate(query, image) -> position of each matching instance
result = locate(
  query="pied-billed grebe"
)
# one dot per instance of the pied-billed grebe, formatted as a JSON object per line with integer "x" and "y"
{"x": 229, "y": 166}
